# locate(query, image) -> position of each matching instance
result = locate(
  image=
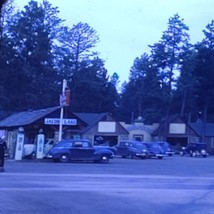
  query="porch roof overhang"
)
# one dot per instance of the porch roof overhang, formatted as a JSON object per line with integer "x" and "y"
{"x": 26, "y": 117}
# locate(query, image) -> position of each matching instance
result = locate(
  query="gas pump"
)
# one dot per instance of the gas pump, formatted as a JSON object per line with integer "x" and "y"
{"x": 40, "y": 144}
{"x": 19, "y": 144}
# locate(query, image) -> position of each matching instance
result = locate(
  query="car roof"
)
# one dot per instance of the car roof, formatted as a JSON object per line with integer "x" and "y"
{"x": 131, "y": 141}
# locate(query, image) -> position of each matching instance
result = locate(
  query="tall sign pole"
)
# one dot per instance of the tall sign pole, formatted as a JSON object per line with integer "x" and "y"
{"x": 62, "y": 104}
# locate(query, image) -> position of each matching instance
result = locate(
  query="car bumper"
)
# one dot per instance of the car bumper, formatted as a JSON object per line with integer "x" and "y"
{"x": 160, "y": 155}
{"x": 49, "y": 156}
{"x": 141, "y": 155}
{"x": 157, "y": 155}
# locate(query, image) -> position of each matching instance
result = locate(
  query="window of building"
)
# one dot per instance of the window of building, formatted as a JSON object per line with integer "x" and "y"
{"x": 138, "y": 137}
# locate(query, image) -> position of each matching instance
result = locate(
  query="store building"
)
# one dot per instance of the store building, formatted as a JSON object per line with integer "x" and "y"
{"x": 179, "y": 132}
{"x": 100, "y": 128}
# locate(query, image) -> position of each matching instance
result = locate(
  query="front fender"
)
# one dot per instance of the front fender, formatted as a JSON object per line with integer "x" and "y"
{"x": 58, "y": 153}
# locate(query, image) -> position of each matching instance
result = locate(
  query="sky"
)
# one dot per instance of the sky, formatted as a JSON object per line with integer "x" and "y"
{"x": 126, "y": 27}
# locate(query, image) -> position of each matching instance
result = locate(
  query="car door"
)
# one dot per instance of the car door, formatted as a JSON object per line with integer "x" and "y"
{"x": 48, "y": 145}
{"x": 122, "y": 149}
{"x": 82, "y": 150}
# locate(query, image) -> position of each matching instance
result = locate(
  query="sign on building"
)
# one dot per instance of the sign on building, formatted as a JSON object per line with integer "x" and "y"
{"x": 56, "y": 121}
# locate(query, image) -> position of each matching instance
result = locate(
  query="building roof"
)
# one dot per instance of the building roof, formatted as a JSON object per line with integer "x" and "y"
{"x": 200, "y": 128}
{"x": 29, "y": 117}
{"x": 91, "y": 118}
{"x": 26, "y": 117}
{"x": 164, "y": 124}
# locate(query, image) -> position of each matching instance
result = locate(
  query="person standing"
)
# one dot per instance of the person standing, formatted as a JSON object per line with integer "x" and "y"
{"x": 3, "y": 147}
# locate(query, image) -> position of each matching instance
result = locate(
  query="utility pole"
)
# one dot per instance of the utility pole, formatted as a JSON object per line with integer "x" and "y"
{"x": 62, "y": 104}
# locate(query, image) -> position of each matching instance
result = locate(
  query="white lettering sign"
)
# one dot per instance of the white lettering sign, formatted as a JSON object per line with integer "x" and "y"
{"x": 56, "y": 121}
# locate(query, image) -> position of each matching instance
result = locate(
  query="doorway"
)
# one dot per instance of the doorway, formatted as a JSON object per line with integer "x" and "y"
{"x": 105, "y": 140}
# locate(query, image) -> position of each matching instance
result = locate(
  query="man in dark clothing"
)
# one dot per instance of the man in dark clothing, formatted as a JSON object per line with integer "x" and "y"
{"x": 3, "y": 147}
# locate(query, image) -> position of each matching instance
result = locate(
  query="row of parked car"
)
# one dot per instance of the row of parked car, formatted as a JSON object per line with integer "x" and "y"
{"x": 83, "y": 150}
{"x": 159, "y": 149}
{"x": 131, "y": 149}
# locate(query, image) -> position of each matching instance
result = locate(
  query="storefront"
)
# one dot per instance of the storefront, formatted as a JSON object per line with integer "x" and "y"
{"x": 74, "y": 125}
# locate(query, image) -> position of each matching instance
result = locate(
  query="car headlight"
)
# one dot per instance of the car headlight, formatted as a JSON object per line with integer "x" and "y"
{"x": 144, "y": 150}
{"x": 203, "y": 152}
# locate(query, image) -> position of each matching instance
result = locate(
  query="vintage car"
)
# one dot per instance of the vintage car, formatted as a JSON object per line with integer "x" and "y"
{"x": 167, "y": 148}
{"x": 112, "y": 148}
{"x": 155, "y": 150}
{"x": 195, "y": 149}
{"x": 132, "y": 149}
{"x": 79, "y": 150}
{"x": 29, "y": 151}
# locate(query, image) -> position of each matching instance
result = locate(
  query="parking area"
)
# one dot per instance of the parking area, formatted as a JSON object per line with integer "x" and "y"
{"x": 175, "y": 165}
{"x": 175, "y": 184}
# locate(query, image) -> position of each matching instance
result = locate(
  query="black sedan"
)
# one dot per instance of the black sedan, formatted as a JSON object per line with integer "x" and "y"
{"x": 195, "y": 149}
{"x": 131, "y": 149}
{"x": 79, "y": 150}
{"x": 167, "y": 148}
{"x": 155, "y": 150}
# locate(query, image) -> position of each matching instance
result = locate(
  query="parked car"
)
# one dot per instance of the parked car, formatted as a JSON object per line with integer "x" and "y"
{"x": 79, "y": 150}
{"x": 195, "y": 149}
{"x": 131, "y": 149}
{"x": 167, "y": 148}
{"x": 155, "y": 150}
{"x": 112, "y": 148}
{"x": 49, "y": 143}
{"x": 30, "y": 149}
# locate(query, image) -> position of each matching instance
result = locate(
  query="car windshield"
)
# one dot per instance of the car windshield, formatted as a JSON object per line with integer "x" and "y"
{"x": 156, "y": 145}
{"x": 164, "y": 145}
{"x": 197, "y": 145}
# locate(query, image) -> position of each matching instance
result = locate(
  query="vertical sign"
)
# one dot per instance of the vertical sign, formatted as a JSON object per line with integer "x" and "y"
{"x": 40, "y": 146}
{"x": 64, "y": 85}
{"x": 19, "y": 146}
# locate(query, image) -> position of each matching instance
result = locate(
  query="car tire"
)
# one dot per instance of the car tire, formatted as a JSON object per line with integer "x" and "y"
{"x": 64, "y": 158}
{"x": 193, "y": 154}
{"x": 160, "y": 157}
{"x": 143, "y": 157}
{"x": 33, "y": 155}
{"x": 104, "y": 159}
{"x": 181, "y": 153}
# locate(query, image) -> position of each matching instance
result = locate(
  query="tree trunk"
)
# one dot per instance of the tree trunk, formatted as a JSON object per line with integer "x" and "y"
{"x": 183, "y": 103}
